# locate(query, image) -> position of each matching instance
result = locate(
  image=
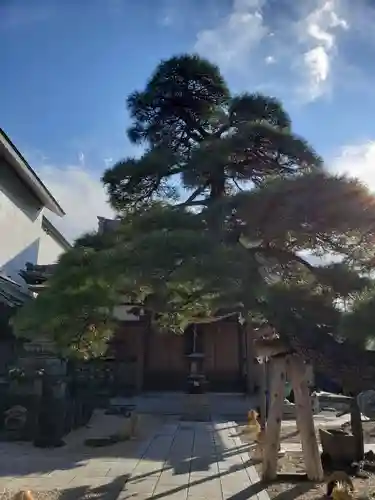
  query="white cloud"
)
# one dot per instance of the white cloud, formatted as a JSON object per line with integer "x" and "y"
{"x": 81, "y": 158}
{"x": 318, "y": 32}
{"x": 233, "y": 39}
{"x": 108, "y": 162}
{"x": 81, "y": 195}
{"x": 294, "y": 47}
{"x": 270, "y": 60}
{"x": 317, "y": 64}
{"x": 357, "y": 160}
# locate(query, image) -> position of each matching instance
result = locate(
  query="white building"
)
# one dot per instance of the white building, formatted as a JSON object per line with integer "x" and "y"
{"x": 26, "y": 234}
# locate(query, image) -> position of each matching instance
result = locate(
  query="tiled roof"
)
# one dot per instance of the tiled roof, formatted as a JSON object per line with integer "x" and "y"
{"x": 11, "y": 293}
{"x": 35, "y": 274}
{"x": 266, "y": 332}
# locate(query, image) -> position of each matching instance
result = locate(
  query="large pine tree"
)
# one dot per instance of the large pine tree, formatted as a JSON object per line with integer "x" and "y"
{"x": 225, "y": 203}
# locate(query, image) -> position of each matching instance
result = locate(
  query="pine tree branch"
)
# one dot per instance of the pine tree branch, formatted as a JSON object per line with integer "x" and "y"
{"x": 191, "y": 201}
{"x": 221, "y": 130}
{"x": 236, "y": 184}
{"x": 282, "y": 254}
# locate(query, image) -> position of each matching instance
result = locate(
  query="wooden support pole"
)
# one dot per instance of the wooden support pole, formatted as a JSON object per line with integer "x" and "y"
{"x": 304, "y": 417}
{"x": 357, "y": 429}
{"x": 272, "y": 444}
{"x": 250, "y": 355}
{"x": 263, "y": 392}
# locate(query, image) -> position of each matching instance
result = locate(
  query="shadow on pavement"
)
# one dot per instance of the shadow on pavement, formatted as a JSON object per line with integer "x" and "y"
{"x": 110, "y": 491}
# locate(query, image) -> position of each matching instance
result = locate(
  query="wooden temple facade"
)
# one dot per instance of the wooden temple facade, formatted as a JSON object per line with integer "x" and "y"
{"x": 163, "y": 359}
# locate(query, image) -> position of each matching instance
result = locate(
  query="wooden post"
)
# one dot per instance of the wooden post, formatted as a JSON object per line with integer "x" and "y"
{"x": 357, "y": 430}
{"x": 272, "y": 444}
{"x": 263, "y": 392}
{"x": 304, "y": 417}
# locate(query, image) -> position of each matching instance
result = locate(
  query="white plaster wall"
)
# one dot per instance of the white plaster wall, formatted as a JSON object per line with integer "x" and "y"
{"x": 49, "y": 249}
{"x": 20, "y": 223}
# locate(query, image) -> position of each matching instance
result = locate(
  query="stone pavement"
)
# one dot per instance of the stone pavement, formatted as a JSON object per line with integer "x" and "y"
{"x": 181, "y": 461}
{"x": 228, "y": 406}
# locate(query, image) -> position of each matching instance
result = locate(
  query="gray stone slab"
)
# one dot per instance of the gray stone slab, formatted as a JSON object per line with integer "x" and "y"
{"x": 238, "y": 474}
{"x": 181, "y": 461}
{"x": 143, "y": 471}
{"x": 153, "y": 461}
{"x": 171, "y": 495}
{"x": 209, "y": 489}
{"x": 169, "y": 478}
{"x": 169, "y": 429}
{"x": 165, "y": 489}
{"x": 121, "y": 470}
{"x": 146, "y": 486}
{"x": 94, "y": 471}
{"x": 211, "y": 471}
{"x": 159, "y": 448}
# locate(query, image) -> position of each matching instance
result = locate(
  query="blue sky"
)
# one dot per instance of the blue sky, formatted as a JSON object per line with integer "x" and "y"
{"x": 69, "y": 65}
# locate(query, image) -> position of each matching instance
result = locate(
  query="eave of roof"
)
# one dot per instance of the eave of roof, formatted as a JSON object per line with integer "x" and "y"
{"x": 50, "y": 229}
{"x": 27, "y": 174}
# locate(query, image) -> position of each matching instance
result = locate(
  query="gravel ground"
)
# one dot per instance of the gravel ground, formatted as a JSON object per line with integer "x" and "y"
{"x": 311, "y": 491}
{"x": 63, "y": 495}
{"x": 292, "y": 462}
{"x": 44, "y": 495}
{"x": 303, "y": 490}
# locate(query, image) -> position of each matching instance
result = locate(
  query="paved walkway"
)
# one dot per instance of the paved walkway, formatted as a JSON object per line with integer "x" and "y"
{"x": 181, "y": 461}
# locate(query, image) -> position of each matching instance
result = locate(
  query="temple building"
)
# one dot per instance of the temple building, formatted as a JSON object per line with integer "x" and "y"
{"x": 27, "y": 233}
{"x": 27, "y": 236}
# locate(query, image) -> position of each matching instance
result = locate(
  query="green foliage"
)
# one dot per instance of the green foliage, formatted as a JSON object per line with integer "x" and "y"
{"x": 177, "y": 103}
{"x": 171, "y": 262}
{"x": 358, "y": 324}
{"x": 75, "y": 310}
{"x": 315, "y": 211}
{"x": 303, "y": 304}
{"x": 257, "y": 108}
{"x": 199, "y": 135}
{"x": 343, "y": 281}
